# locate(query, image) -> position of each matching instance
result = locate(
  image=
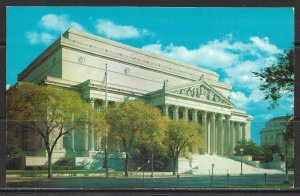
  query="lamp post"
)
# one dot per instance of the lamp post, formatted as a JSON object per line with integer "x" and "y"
{"x": 212, "y": 173}
{"x": 242, "y": 152}
{"x": 105, "y": 106}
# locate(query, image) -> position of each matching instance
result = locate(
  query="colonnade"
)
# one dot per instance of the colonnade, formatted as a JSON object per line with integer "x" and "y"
{"x": 91, "y": 138}
{"x": 220, "y": 132}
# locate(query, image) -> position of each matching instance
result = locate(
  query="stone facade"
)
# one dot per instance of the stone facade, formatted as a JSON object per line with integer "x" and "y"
{"x": 272, "y": 133}
{"x": 79, "y": 60}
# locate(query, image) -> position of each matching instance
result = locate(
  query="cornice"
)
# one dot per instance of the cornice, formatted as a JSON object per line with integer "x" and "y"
{"x": 41, "y": 58}
{"x": 136, "y": 50}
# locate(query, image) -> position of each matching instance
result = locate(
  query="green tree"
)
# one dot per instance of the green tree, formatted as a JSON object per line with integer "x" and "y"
{"x": 153, "y": 143}
{"x": 263, "y": 153}
{"x": 249, "y": 146}
{"x": 288, "y": 138}
{"x": 181, "y": 134}
{"x": 278, "y": 79}
{"x": 49, "y": 112}
{"x": 13, "y": 149}
{"x": 277, "y": 82}
{"x": 146, "y": 156}
{"x": 134, "y": 122}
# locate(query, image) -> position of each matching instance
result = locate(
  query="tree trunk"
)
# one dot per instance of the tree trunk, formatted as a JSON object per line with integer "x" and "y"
{"x": 49, "y": 165}
{"x": 152, "y": 159}
{"x": 126, "y": 164}
{"x": 286, "y": 163}
{"x": 174, "y": 165}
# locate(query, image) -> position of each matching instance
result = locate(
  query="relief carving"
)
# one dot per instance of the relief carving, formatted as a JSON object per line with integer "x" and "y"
{"x": 200, "y": 92}
{"x": 81, "y": 59}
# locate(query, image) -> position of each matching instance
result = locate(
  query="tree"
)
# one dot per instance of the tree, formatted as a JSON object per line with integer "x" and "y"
{"x": 49, "y": 112}
{"x": 288, "y": 137}
{"x": 249, "y": 146}
{"x": 263, "y": 153}
{"x": 278, "y": 79}
{"x": 181, "y": 134}
{"x": 150, "y": 149}
{"x": 13, "y": 149}
{"x": 134, "y": 122}
{"x": 148, "y": 156}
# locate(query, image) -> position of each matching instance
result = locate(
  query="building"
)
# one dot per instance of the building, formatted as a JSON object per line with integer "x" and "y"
{"x": 79, "y": 60}
{"x": 272, "y": 133}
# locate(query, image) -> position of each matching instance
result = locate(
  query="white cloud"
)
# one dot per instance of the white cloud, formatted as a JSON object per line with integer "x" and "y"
{"x": 213, "y": 55}
{"x": 265, "y": 45}
{"x": 112, "y": 30}
{"x": 237, "y": 59}
{"x": 239, "y": 99}
{"x": 222, "y": 53}
{"x": 39, "y": 38}
{"x": 59, "y": 23}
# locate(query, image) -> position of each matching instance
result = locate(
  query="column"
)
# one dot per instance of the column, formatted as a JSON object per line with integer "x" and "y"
{"x": 212, "y": 133}
{"x": 248, "y": 130}
{"x": 227, "y": 134}
{"x": 232, "y": 137}
{"x": 91, "y": 138}
{"x": 166, "y": 110}
{"x": 86, "y": 137}
{"x": 237, "y": 131}
{"x": 175, "y": 112}
{"x": 195, "y": 120}
{"x": 97, "y": 147}
{"x": 91, "y": 130}
{"x": 195, "y": 116}
{"x": 220, "y": 134}
{"x": 243, "y": 131}
{"x": 204, "y": 126}
{"x": 185, "y": 114}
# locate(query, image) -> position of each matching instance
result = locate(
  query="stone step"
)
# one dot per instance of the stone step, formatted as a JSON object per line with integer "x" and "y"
{"x": 202, "y": 164}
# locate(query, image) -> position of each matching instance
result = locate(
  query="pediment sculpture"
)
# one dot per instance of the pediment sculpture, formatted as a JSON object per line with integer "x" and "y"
{"x": 200, "y": 92}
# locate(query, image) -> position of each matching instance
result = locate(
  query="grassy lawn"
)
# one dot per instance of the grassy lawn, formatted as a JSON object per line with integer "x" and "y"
{"x": 135, "y": 180}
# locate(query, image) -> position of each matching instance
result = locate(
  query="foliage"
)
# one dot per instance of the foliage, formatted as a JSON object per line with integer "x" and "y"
{"x": 142, "y": 156}
{"x": 181, "y": 134}
{"x": 131, "y": 122}
{"x": 263, "y": 153}
{"x": 49, "y": 112}
{"x": 278, "y": 79}
{"x": 249, "y": 147}
{"x": 64, "y": 161}
{"x": 268, "y": 151}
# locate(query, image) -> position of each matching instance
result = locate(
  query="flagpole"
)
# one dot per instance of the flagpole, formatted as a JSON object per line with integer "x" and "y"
{"x": 105, "y": 153}
{"x": 105, "y": 87}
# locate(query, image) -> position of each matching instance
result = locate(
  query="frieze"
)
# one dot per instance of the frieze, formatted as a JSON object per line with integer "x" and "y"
{"x": 201, "y": 92}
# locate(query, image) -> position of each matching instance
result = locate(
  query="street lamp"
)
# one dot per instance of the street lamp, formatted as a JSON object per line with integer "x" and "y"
{"x": 242, "y": 152}
{"x": 212, "y": 173}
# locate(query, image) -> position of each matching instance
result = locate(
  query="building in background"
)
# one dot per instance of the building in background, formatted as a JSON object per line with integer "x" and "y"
{"x": 273, "y": 131}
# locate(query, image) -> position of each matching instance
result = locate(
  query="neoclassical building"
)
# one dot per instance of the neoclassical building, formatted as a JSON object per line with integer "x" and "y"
{"x": 79, "y": 60}
{"x": 273, "y": 131}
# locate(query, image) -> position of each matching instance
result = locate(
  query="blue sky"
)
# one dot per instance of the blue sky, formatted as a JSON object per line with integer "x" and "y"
{"x": 230, "y": 41}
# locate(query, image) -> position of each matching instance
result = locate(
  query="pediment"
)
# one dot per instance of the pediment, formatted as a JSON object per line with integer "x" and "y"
{"x": 201, "y": 91}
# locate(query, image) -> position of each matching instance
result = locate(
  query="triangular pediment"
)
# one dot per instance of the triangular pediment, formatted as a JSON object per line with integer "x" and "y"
{"x": 199, "y": 90}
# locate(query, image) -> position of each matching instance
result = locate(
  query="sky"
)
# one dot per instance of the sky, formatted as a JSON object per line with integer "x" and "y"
{"x": 233, "y": 42}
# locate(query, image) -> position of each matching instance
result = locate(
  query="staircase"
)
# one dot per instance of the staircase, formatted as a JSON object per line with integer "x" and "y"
{"x": 202, "y": 165}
